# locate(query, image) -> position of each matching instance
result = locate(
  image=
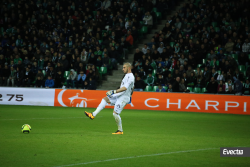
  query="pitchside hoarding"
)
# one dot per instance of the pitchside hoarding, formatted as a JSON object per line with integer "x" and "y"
{"x": 27, "y": 96}
{"x": 229, "y": 104}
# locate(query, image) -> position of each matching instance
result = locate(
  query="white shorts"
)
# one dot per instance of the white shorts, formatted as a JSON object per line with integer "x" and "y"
{"x": 119, "y": 102}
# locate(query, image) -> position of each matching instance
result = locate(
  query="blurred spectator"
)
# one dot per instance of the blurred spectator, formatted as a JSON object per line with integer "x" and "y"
{"x": 150, "y": 79}
{"x": 144, "y": 49}
{"x": 64, "y": 62}
{"x": 148, "y": 19}
{"x": 212, "y": 86}
{"x": 230, "y": 90}
{"x": 129, "y": 39}
{"x": 12, "y": 77}
{"x": 59, "y": 79}
{"x": 49, "y": 83}
{"x": 221, "y": 91}
{"x": 176, "y": 85}
{"x": 39, "y": 74}
{"x": 91, "y": 84}
{"x": 246, "y": 87}
{"x": 160, "y": 88}
{"x": 238, "y": 86}
{"x": 229, "y": 46}
{"x": 80, "y": 79}
{"x": 220, "y": 76}
{"x": 221, "y": 85}
{"x": 27, "y": 78}
{"x": 71, "y": 78}
{"x": 238, "y": 75}
{"x": 170, "y": 89}
{"x": 182, "y": 86}
{"x": 139, "y": 84}
{"x": 19, "y": 77}
{"x": 39, "y": 82}
{"x": 246, "y": 46}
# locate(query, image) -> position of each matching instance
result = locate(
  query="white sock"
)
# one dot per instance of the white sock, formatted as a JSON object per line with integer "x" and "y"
{"x": 118, "y": 121}
{"x": 100, "y": 107}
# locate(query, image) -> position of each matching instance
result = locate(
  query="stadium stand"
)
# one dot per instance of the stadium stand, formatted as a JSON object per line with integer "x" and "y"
{"x": 206, "y": 43}
{"x": 54, "y": 37}
{"x": 203, "y": 42}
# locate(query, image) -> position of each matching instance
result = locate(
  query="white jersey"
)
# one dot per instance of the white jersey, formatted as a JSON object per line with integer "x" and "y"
{"x": 128, "y": 81}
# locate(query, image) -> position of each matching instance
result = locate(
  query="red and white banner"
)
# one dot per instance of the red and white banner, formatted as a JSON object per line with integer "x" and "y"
{"x": 226, "y": 104}
{"x": 229, "y": 104}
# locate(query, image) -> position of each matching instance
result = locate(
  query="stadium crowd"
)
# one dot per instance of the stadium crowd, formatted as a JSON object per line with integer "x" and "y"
{"x": 67, "y": 42}
{"x": 203, "y": 48}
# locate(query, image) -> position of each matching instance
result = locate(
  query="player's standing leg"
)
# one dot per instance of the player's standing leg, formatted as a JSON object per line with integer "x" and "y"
{"x": 118, "y": 121}
{"x": 119, "y": 105}
{"x": 101, "y": 106}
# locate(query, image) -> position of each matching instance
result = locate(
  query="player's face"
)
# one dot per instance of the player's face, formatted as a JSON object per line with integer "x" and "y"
{"x": 125, "y": 69}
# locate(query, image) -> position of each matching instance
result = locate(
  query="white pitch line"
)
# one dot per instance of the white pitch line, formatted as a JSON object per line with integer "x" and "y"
{"x": 140, "y": 156}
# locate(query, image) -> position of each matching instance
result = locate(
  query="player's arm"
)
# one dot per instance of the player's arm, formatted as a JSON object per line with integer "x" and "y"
{"x": 122, "y": 89}
{"x": 111, "y": 92}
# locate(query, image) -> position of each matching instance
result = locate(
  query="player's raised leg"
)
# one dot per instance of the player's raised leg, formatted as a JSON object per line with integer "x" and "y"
{"x": 101, "y": 106}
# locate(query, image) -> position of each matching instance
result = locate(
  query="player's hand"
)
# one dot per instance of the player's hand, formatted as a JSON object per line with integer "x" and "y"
{"x": 130, "y": 100}
{"x": 111, "y": 92}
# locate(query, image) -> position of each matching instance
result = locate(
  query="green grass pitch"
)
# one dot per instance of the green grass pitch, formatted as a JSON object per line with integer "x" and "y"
{"x": 66, "y": 137}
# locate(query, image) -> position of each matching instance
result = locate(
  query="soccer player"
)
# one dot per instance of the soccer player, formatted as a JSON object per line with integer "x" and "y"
{"x": 119, "y": 98}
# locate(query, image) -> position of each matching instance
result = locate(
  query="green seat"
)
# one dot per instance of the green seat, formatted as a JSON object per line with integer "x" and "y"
{"x": 154, "y": 88}
{"x": 148, "y": 89}
{"x": 66, "y": 74}
{"x": 171, "y": 70}
{"x": 203, "y": 90}
{"x": 141, "y": 23}
{"x": 186, "y": 52}
{"x": 103, "y": 70}
{"x": 249, "y": 56}
{"x": 158, "y": 14}
{"x": 94, "y": 13}
{"x": 197, "y": 90}
{"x": 237, "y": 24}
{"x": 172, "y": 44}
{"x": 235, "y": 56}
{"x": 214, "y": 24}
{"x": 154, "y": 9}
{"x": 144, "y": 29}
{"x": 242, "y": 68}
{"x": 190, "y": 88}
{"x": 217, "y": 62}
{"x": 216, "y": 29}
{"x": 154, "y": 65}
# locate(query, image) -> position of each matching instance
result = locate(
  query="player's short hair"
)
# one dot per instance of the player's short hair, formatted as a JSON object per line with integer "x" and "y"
{"x": 127, "y": 64}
